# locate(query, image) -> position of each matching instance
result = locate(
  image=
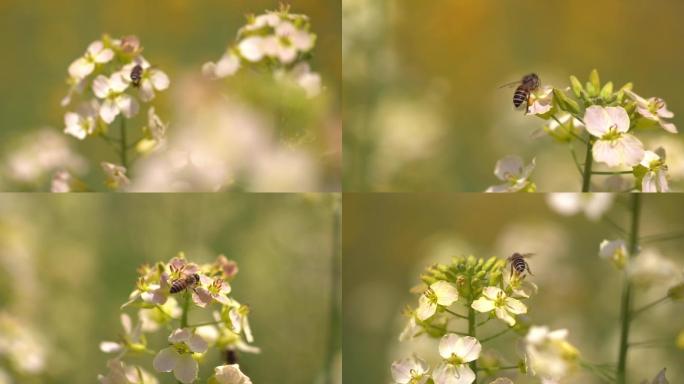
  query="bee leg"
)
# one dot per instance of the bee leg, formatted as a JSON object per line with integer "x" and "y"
{"x": 530, "y": 271}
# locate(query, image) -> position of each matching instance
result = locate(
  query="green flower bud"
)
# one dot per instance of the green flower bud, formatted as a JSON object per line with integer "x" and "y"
{"x": 595, "y": 82}
{"x": 576, "y": 86}
{"x": 564, "y": 102}
{"x": 607, "y": 92}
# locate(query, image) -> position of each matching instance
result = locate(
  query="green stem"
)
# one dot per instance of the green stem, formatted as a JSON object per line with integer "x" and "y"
{"x": 586, "y": 174}
{"x": 577, "y": 163}
{"x": 472, "y": 330}
{"x": 626, "y": 302}
{"x": 612, "y": 173}
{"x": 124, "y": 145}
{"x": 662, "y": 237}
{"x": 186, "y": 309}
{"x": 334, "y": 335}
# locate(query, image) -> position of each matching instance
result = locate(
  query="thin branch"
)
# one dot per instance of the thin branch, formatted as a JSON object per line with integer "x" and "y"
{"x": 455, "y": 314}
{"x": 648, "y": 306}
{"x": 577, "y": 163}
{"x": 611, "y": 173}
{"x": 486, "y": 339}
{"x": 662, "y": 237}
{"x": 615, "y": 225}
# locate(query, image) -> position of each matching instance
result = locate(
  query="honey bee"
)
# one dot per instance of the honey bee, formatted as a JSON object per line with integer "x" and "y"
{"x": 183, "y": 283}
{"x": 527, "y": 85}
{"x": 518, "y": 264}
{"x": 136, "y": 75}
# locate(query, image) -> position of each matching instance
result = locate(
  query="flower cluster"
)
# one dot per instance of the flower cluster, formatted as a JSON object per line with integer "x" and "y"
{"x": 278, "y": 41}
{"x": 465, "y": 289}
{"x": 111, "y": 80}
{"x": 164, "y": 296}
{"x": 607, "y": 121}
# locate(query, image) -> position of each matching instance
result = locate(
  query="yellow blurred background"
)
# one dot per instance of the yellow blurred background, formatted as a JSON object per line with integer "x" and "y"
{"x": 423, "y": 109}
{"x": 67, "y": 263}
{"x": 389, "y": 240}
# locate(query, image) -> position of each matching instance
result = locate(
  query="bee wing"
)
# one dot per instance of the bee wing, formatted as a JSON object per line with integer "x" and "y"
{"x": 527, "y": 255}
{"x": 511, "y": 84}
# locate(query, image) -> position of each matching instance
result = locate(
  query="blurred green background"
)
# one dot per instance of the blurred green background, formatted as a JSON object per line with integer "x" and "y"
{"x": 69, "y": 262}
{"x": 42, "y": 38}
{"x": 423, "y": 111}
{"x": 389, "y": 240}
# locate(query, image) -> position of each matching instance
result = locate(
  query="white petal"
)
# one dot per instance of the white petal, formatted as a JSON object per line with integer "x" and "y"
{"x": 468, "y": 348}
{"x": 669, "y": 127}
{"x": 492, "y": 292}
{"x": 197, "y": 344}
{"x": 426, "y": 308}
{"x": 302, "y": 40}
{"x": 251, "y": 48}
{"x": 626, "y": 150}
{"x": 81, "y": 68}
{"x": 110, "y": 347}
{"x": 104, "y": 56}
{"x": 179, "y": 335}
{"x": 95, "y": 47}
{"x": 186, "y": 369}
{"x": 453, "y": 374}
{"x": 619, "y": 117}
{"x": 108, "y": 111}
{"x": 648, "y": 183}
{"x": 118, "y": 82}
{"x": 128, "y": 105}
{"x": 159, "y": 79}
{"x": 483, "y": 305}
{"x": 146, "y": 91}
{"x": 101, "y": 86}
{"x": 597, "y": 120}
{"x": 165, "y": 360}
{"x": 509, "y": 167}
{"x": 287, "y": 53}
{"x": 515, "y": 306}
{"x": 447, "y": 293}
{"x": 505, "y": 316}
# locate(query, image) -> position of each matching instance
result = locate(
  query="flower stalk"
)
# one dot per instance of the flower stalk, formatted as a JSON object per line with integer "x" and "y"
{"x": 124, "y": 146}
{"x": 588, "y": 162}
{"x": 626, "y": 315}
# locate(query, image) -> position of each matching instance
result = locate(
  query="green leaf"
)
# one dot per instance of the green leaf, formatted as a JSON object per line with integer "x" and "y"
{"x": 576, "y": 86}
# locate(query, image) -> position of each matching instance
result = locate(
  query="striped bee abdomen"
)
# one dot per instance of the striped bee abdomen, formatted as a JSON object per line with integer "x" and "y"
{"x": 136, "y": 76}
{"x": 519, "y": 264}
{"x": 521, "y": 94}
{"x": 184, "y": 283}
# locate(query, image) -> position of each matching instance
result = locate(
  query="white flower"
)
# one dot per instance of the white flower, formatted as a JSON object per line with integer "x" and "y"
{"x": 227, "y": 65}
{"x": 230, "y": 374}
{"x": 494, "y": 299}
{"x": 541, "y": 101}
{"x": 119, "y": 373}
{"x": 513, "y": 171}
{"x": 548, "y": 354}
{"x": 594, "y": 205}
{"x": 95, "y": 54}
{"x": 83, "y": 123}
{"x": 457, "y": 351}
{"x": 155, "y": 127}
{"x": 650, "y": 268}
{"x": 116, "y": 175}
{"x": 111, "y": 90}
{"x": 521, "y": 287}
{"x": 614, "y": 145}
{"x": 410, "y": 371}
{"x": 161, "y": 314}
{"x": 308, "y": 80}
{"x": 615, "y": 250}
{"x": 439, "y": 293}
{"x": 131, "y": 339}
{"x": 239, "y": 318}
{"x": 654, "y": 109}
{"x": 569, "y": 127}
{"x": 411, "y": 329}
{"x": 62, "y": 182}
{"x": 655, "y": 178}
{"x": 178, "y": 357}
{"x": 151, "y": 78}
{"x": 252, "y": 48}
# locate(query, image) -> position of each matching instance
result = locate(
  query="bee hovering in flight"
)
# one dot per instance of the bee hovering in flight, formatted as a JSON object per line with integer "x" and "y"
{"x": 136, "y": 75}
{"x": 518, "y": 264}
{"x": 526, "y": 86}
{"x": 184, "y": 283}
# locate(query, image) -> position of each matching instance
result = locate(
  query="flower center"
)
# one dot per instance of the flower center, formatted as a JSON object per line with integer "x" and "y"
{"x": 500, "y": 300}
{"x": 431, "y": 295}
{"x": 612, "y": 134}
{"x": 455, "y": 359}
